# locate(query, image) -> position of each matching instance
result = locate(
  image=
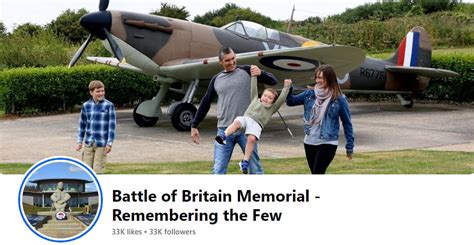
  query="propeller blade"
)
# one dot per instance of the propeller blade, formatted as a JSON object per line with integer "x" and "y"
{"x": 103, "y": 5}
{"x": 79, "y": 52}
{"x": 113, "y": 45}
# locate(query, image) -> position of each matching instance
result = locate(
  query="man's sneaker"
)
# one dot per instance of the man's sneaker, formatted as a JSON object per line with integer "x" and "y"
{"x": 221, "y": 139}
{"x": 244, "y": 166}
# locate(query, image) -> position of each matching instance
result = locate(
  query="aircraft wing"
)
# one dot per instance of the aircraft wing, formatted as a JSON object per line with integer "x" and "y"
{"x": 422, "y": 71}
{"x": 297, "y": 64}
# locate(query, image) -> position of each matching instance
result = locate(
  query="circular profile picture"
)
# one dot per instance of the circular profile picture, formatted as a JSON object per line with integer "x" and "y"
{"x": 60, "y": 199}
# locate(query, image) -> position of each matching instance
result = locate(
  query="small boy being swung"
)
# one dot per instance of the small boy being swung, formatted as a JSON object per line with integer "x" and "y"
{"x": 256, "y": 116}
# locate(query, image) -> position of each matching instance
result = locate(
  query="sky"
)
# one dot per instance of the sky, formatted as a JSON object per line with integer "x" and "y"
{"x": 56, "y": 170}
{"x": 17, "y": 12}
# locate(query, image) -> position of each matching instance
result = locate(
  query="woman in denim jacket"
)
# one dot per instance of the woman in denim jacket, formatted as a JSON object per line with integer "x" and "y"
{"x": 323, "y": 106}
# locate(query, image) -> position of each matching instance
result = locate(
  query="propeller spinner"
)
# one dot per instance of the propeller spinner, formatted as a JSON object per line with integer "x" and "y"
{"x": 98, "y": 24}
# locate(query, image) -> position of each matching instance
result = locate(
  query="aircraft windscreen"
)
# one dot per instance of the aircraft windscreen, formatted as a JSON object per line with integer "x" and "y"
{"x": 255, "y": 30}
{"x": 273, "y": 34}
{"x": 235, "y": 27}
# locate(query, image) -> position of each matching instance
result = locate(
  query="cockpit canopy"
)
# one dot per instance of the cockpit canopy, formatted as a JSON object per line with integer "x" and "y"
{"x": 252, "y": 30}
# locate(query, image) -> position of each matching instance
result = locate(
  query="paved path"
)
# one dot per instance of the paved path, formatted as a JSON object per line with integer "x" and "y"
{"x": 377, "y": 127}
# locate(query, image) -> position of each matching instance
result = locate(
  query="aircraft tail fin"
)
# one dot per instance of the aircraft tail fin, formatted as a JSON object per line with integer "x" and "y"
{"x": 414, "y": 50}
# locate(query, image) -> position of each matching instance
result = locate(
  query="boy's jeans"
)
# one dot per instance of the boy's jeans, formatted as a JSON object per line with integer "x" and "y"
{"x": 223, "y": 153}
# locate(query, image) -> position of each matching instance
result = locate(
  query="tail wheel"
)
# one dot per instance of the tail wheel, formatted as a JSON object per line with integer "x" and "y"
{"x": 143, "y": 121}
{"x": 409, "y": 103}
{"x": 182, "y": 116}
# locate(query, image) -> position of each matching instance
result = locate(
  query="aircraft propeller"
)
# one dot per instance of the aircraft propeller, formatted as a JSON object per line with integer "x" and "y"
{"x": 98, "y": 24}
{"x": 103, "y": 5}
{"x": 79, "y": 52}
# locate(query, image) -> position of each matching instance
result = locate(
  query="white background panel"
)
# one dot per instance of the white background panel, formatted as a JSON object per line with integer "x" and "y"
{"x": 353, "y": 209}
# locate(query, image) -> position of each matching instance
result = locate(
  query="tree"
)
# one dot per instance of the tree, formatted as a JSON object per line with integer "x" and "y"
{"x": 311, "y": 20}
{"x": 27, "y": 29}
{"x": 207, "y": 18}
{"x": 172, "y": 11}
{"x": 67, "y": 25}
{"x": 374, "y": 11}
{"x": 3, "y": 30}
{"x": 243, "y": 14}
{"x": 437, "y": 6}
{"x": 231, "y": 12}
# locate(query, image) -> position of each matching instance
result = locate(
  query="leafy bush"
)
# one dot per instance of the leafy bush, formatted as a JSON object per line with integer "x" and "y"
{"x": 389, "y": 9}
{"x": 43, "y": 48}
{"x": 61, "y": 88}
{"x": 460, "y": 88}
{"x": 445, "y": 29}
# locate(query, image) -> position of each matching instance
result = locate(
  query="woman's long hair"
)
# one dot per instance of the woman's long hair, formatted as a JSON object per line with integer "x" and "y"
{"x": 330, "y": 76}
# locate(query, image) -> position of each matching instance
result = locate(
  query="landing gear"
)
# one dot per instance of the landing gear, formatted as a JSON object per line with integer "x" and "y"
{"x": 146, "y": 114}
{"x": 406, "y": 101}
{"x": 182, "y": 112}
{"x": 181, "y": 115}
{"x": 410, "y": 103}
{"x": 143, "y": 121}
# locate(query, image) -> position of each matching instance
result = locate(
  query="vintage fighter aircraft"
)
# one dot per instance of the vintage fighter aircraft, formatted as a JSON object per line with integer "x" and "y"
{"x": 185, "y": 53}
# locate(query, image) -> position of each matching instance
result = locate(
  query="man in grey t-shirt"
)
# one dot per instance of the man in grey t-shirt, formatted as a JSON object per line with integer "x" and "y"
{"x": 232, "y": 87}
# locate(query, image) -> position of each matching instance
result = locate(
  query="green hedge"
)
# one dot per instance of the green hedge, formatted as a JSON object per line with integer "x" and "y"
{"x": 61, "y": 88}
{"x": 460, "y": 88}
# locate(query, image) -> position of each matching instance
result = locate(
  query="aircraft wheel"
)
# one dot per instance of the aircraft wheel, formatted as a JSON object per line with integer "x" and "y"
{"x": 182, "y": 116}
{"x": 143, "y": 121}
{"x": 410, "y": 103}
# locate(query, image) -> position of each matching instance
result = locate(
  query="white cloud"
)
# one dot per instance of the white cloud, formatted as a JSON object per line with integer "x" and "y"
{"x": 73, "y": 169}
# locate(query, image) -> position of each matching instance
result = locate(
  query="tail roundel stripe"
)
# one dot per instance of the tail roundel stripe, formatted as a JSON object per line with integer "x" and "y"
{"x": 408, "y": 50}
{"x": 401, "y": 51}
{"x": 414, "y": 50}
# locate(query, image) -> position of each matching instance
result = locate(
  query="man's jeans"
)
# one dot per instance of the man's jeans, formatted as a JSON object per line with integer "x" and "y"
{"x": 223, "y": 153}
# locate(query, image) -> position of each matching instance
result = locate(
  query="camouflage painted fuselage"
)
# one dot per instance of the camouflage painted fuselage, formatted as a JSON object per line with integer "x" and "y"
{"x": 169, "y": 41}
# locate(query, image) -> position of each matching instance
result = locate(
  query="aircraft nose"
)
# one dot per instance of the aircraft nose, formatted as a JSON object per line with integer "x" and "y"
{"x": 96, "y": 22}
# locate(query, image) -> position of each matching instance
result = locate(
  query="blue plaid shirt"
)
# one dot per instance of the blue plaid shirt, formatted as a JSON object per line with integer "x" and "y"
{"x": 97, "y": 123}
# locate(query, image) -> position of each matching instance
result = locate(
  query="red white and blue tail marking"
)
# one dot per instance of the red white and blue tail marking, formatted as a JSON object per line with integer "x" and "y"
{"x": 408, "y": 50}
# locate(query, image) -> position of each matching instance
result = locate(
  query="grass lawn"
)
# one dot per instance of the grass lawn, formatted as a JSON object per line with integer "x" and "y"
{"x": 391, "y": 162}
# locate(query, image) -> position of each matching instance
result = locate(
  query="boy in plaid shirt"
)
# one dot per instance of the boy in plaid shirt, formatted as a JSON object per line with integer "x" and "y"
{"x": 96, "y": 128}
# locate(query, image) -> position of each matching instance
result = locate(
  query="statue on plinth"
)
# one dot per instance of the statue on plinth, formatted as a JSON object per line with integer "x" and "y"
{"x": 60, "y": 198}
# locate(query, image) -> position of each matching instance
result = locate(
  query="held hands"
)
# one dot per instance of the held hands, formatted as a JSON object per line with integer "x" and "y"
{"x": 195, "y": 135}
{"x": 255, "y": 71}
{"x": 287, "y": 82}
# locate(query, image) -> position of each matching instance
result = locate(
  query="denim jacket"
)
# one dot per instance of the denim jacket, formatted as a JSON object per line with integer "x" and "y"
{"x": 338, "y": 108}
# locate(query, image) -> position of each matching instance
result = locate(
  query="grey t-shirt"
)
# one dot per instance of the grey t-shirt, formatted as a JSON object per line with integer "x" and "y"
{"x": 233, "y": 92}
{"x": 233, "y": 89}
